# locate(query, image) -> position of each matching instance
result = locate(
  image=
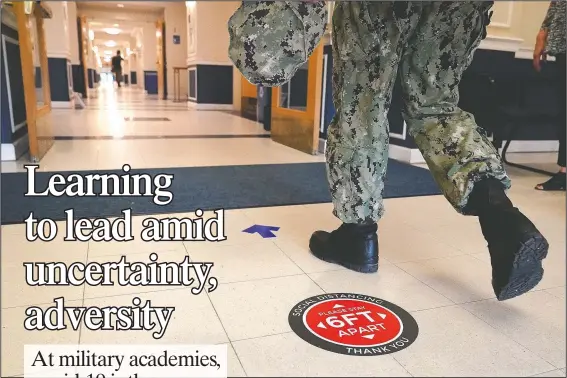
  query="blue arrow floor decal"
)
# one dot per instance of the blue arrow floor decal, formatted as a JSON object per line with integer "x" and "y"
{"x": 263, "y": 231}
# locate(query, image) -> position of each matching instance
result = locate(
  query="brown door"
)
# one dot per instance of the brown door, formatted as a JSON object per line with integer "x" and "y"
{"x": 248, "y": 99}
{"x": 33, "y": 55}
{"x": 159, "y": 61}
{"x": 296, "y": 107}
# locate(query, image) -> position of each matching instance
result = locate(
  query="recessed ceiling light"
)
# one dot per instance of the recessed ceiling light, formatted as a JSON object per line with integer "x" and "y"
{"x": 116, "y": 25}
{"x": 110, "y": 43}
{"x": 112, "y": 31}
{"x": 120, "y": 5}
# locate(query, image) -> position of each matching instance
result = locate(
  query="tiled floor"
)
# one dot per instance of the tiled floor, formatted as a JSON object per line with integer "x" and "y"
{"x": 434, "y": 264}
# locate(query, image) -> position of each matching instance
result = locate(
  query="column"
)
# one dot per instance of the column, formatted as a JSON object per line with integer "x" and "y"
{"x": 149, "y": 47}
{"x": 175, "y": 18}
{"x": 76, "y": 70}
{"x": 59, "y": 55}
{"x": 210, "y": 69}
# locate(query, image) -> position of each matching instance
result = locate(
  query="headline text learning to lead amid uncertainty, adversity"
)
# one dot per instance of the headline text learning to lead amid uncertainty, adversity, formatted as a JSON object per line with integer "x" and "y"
{"x": 138, "y": 314}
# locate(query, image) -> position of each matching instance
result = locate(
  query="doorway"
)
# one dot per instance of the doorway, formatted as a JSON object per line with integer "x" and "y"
{"x": 296, "y": 107}
{"x": 35, "y": 75}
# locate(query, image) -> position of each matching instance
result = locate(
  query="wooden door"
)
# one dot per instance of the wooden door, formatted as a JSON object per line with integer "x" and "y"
{"x": 40, "y": 132}
{"x": 296, "y": 107}
{"x": 248, "y": 99}
{"x": 159, "y": 61}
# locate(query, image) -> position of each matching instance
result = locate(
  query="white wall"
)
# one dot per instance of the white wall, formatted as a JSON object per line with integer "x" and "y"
{"x": 57, "y": 31}
{"x": 211, "y": 31}
{"x": 175, "y": 18}
{"x": 518, "y": 21}
{"x": 149, "y": 46}
{"x": 73, "y": 32}
{"x": 208, "y": 39}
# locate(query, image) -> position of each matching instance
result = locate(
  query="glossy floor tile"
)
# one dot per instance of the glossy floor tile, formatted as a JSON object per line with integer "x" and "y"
{"x": 433, "y": 262}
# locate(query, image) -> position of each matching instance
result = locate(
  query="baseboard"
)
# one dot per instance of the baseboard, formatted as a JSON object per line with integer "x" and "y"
{"x": 492, "y": 42}
{"x": 196, "y": 106}
{"x": 405, "y": 154}
{"x": 533, "y": 146}
{"x": 528, "y": 53}
{"x": 12, "y": 151}
{"x": 322, "y": 146}
{"x": 62, "y": 104}
{"x": 8, "y": 152}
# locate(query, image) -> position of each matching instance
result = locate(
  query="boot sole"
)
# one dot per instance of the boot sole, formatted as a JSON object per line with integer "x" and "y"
{"x": 527, "y": 270}
{"x": 365, "y": 268}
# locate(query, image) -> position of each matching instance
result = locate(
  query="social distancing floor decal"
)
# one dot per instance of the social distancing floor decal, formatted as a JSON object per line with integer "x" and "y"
{"x": 353, "y": 324}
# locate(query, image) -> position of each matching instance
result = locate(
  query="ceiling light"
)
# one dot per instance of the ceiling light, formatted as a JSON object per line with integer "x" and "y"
{"x": 120, "y": 5}
{"x": 110, "y": 43}
{"x": 116, "y": 25}
{"x": 112, "y": 31}
{"x": 107, "y": 52}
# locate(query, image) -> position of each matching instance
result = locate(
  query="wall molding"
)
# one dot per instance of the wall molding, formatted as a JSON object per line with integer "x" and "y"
{"x": 401, "y": 136}
{"x": 192, "y": 69}
{"x": 508, "y": 23}
{"x": 63, "y": 104}
{"x": 59, "y": 54}
{"x": 509, "y": 44}
{"x": 190, "y": 62}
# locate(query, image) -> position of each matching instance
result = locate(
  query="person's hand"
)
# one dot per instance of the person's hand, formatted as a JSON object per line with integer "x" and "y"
{"x": 539, "y": 50}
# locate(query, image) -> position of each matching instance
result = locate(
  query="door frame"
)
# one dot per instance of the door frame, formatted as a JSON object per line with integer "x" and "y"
{"x": 33, "y": 112}
{"x": 159, "y": 59}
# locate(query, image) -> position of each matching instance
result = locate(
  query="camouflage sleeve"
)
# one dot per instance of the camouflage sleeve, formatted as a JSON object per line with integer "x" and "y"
{"x": 270, "y": 40}
{"x": 546, "y": 24}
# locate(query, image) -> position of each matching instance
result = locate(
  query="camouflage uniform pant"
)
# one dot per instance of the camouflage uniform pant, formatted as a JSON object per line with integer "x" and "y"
{"x": 431, "y": 43}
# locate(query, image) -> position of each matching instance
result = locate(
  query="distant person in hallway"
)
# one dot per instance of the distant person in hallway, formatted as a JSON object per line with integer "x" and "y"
{"x": 432, "y": 44}
{"x": 551, "y": 40}
{"x": 117, "y": 67}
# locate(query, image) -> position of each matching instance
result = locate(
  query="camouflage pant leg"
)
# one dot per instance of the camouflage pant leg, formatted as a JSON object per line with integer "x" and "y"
{"x": 456, "y": 150}
{"x": 367, "y": 45}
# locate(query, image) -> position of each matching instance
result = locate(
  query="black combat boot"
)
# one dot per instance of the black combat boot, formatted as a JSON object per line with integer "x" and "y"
{"x": 516, "y": 246}
{"x": 353, "y": 246}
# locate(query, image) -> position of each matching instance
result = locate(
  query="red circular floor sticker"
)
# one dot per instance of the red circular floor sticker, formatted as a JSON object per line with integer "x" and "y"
{"x": 353, "y": 324}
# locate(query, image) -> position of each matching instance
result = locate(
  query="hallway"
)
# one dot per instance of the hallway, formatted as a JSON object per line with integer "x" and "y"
{"x": 433, "y": 262}
{"x": 123, "y": 124}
